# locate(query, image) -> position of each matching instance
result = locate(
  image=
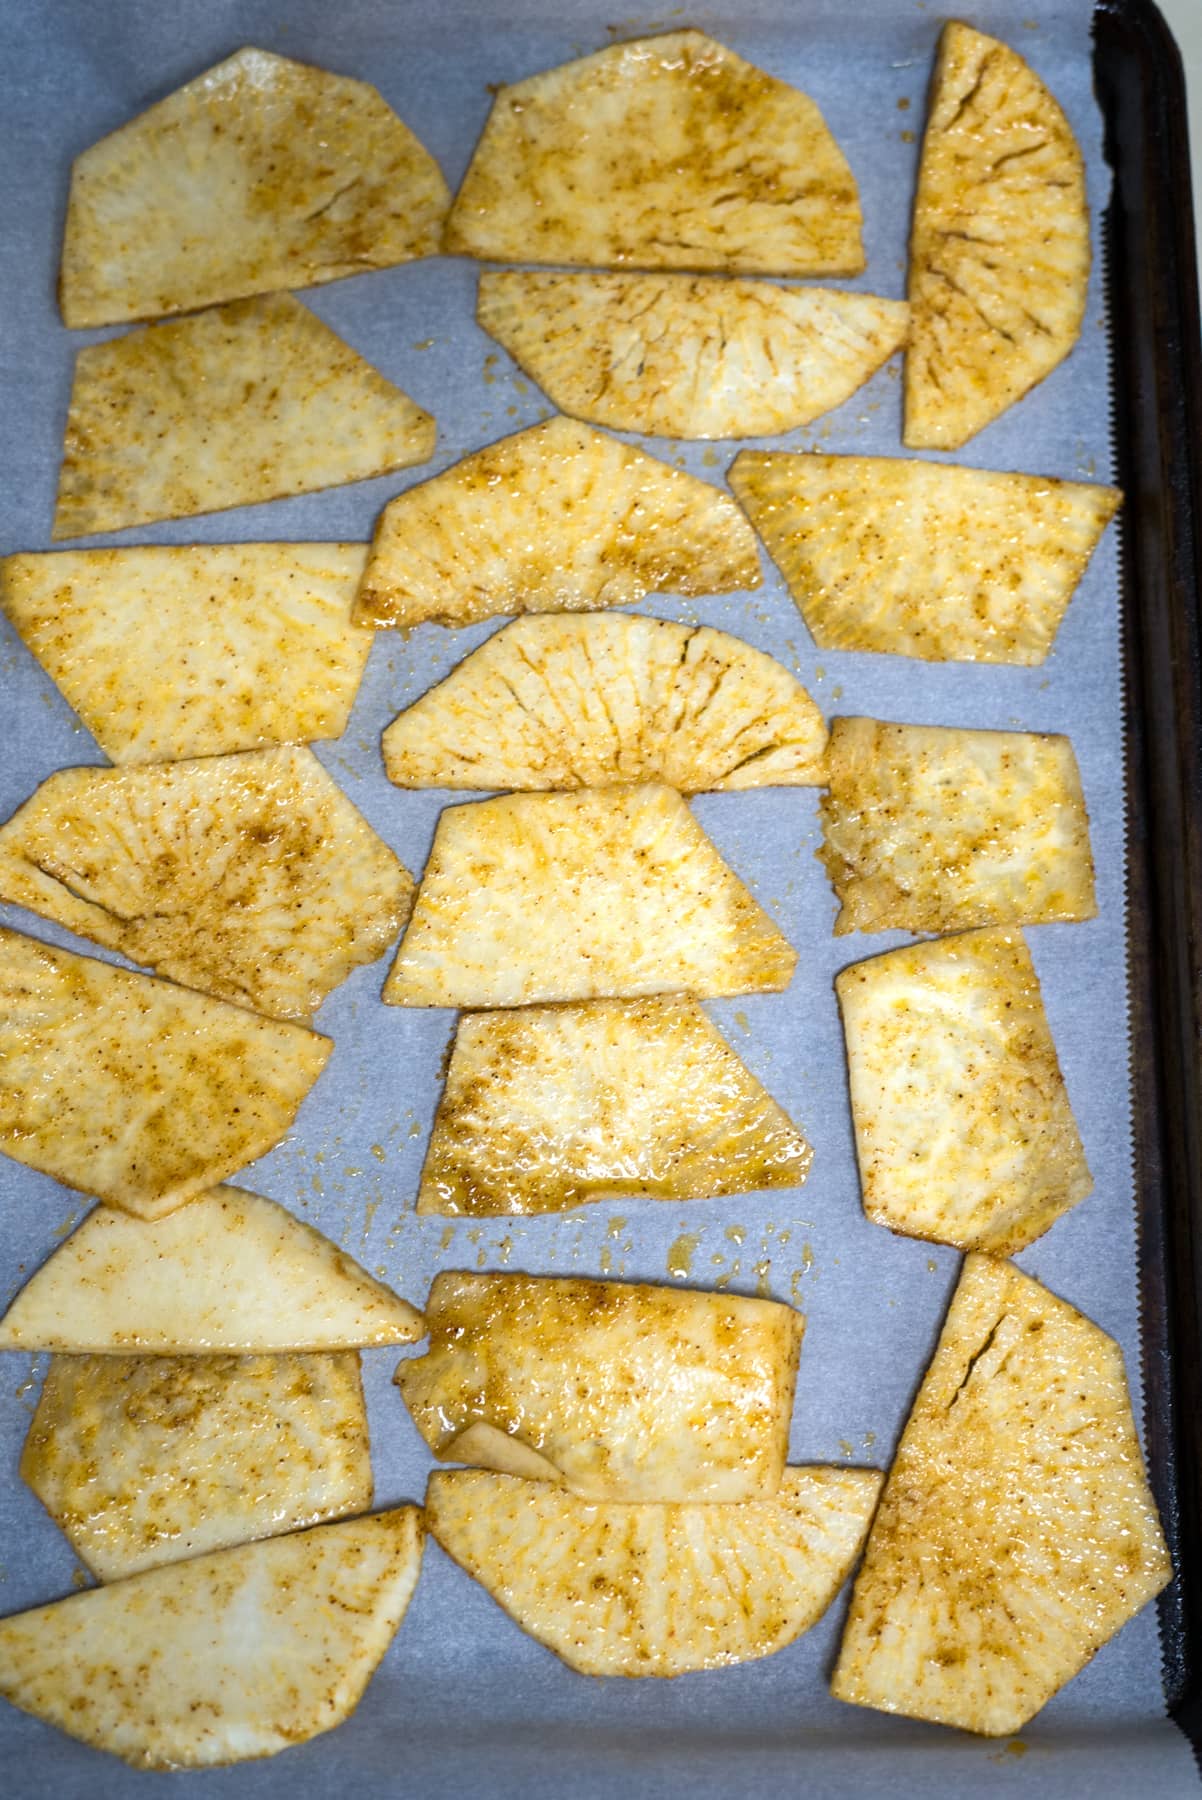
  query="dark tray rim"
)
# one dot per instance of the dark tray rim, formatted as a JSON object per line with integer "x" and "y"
{"x": 1156, "y": 387}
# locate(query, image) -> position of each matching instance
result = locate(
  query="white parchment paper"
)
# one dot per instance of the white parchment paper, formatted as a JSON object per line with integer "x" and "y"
{"x": 464, "y": 1700}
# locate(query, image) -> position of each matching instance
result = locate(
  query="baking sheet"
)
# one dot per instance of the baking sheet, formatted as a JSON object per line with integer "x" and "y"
{"x": 463, "y": 1696}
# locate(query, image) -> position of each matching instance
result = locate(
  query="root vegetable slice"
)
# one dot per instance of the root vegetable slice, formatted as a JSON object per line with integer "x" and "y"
{"x": 608, "y": 892}
{"x": 1016, "y": 1533}
{"x": 686, "y": 356}
{"x": 262, "y": 173}
{"x": 139, "y": 1092}
{"x": 143, "y": 1460}
{"x": 553, "y": 1106}
{"x": 251, "y": 877}
{"x": 932, "y": 828}
{"x": 229, "y": 1272}
{"x": 924, "y": 559}
{"x": 167, "y": 653}
{"x": 656, "y": 1590}
{"x": 245, "y": 402}
{"x": 225, "y": 1657}
{"x": 964, "y": 1131}
{"x": 617, "y": 1392}
{"x": 666, "y": 153}
{"x": 567, "y": 703}
{"x": 557, "y": 518}
{"x": 999, "y": 248}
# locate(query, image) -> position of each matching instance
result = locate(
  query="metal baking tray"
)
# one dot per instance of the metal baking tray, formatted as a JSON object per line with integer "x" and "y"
{"x": 1156, "y": 374}
{"x": 464, "y": 1700}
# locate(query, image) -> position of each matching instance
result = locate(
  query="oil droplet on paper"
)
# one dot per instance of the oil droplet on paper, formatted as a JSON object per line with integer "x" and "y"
{"x": 1010, "y": 1752}
{"x": 447, "y": 1238}
{"x": 762, "y": 1271}
{"x": 30, "y": 1381}
{"x": 681, "y": 1253}
{"x": 379, "y": 1152}
{"x": 617, "y": 1225}
{"x": 736, "y": 1233}
{"x": 799, "y": 1275}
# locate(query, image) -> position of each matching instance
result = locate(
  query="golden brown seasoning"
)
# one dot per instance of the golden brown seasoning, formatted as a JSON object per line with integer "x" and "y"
{"x": 618, "y": 1391}
{"x": 556, "y": 518}
{"x": 230, "y": 1271}
{"x": 655, "y": 1590}
{"x": 132, "y": 1089}
{"x": 932, "y": 828}
{"x": 630, "y": 896}
{"x": 293, "y": 176}
{"x": 223, "y": 1657}
{"x": 1016, "y": 1533}
{"x": 168, "y": 652}
{"x": 664, "y": 152}
{"x": 551, "y": 703}
{"x": 922, "y": 559}
{"x": 142, "y": 1460}
{"x": 625, "y": 350}
{"x": 999, "y": 249}
{"x": 552, "y": 1107}
{"x": 251, "y": 876}
{"x": 245, "y": 402}
{"x": 964, "y": 1132}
